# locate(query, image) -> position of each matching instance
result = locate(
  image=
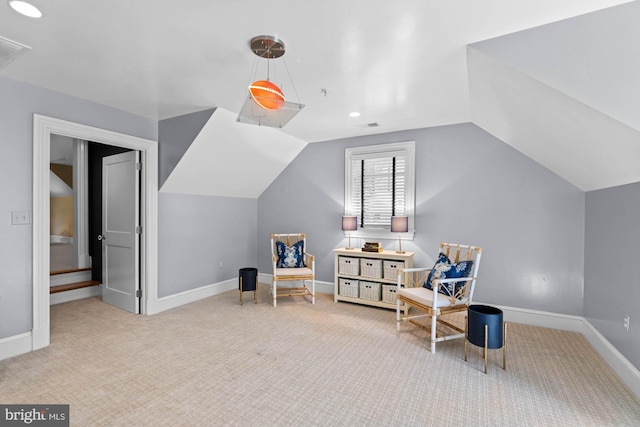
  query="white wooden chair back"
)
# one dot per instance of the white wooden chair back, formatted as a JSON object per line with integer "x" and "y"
{"x": 457, "y": 253}
{"x": 288, "y": 239}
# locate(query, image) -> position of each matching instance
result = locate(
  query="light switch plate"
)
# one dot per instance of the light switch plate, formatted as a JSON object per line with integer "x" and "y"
{"x": 21, "y": 218}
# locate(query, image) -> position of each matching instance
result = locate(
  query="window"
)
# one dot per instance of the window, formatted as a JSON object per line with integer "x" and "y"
{"x": 379, "y": 183}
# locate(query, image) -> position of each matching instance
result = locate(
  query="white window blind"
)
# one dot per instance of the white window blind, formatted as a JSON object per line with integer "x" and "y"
{"x": 378, "y": 190}
{"x": 379, "y": 184}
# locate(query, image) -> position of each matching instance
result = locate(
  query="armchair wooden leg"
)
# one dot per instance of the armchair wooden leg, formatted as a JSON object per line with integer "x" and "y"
{"x": 466, "y": 341}
{"x": 273, "y": 292}
{"x": 434, "y": 323}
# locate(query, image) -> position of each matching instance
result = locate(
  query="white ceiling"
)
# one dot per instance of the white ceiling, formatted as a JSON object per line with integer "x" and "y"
{"x": 401, "y": 64}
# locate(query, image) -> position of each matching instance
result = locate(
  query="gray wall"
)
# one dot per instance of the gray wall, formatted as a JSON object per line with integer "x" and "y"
{"x": 612, "y": 284}
{"x": 197, "y": 233}
{"x": 470, "y": 188}
{"x": 175, "y": 136}
{"x": 18, "y": 103}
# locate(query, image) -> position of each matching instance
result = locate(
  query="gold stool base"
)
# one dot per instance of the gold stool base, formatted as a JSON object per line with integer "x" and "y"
{"x": 485, "y": 349}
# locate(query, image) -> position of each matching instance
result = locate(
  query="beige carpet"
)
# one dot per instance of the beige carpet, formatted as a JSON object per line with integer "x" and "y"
{"x": 215, "y": 362}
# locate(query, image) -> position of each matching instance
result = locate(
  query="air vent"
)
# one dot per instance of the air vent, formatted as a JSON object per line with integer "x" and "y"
{"x": 373, "y": 125}
{"x": 10, "y": 51}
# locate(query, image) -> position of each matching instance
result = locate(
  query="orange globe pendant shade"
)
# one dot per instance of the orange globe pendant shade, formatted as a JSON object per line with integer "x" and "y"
{"x": 266, "y": 94}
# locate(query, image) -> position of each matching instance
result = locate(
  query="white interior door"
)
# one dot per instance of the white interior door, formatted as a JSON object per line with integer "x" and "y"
{"x": 120, "y": 231}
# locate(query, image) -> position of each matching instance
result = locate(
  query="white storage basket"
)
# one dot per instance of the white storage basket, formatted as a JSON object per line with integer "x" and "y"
{"x": 370, "y": 290}
{"x": 371, "y": 268}
{"x": 348, "y": 266}
{"x": 348, "y": 287}
{"x": 389, "y": 293}
{"x": 391, "y": 269}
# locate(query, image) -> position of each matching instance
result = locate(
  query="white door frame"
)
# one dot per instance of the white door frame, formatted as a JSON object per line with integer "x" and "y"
{"x": 81, "y": 203}
{"x": 43, "y": 128}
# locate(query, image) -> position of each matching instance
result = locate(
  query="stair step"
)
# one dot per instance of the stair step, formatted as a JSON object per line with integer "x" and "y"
{"x": 70, "y": 286}
{"x": 71, "y": 270}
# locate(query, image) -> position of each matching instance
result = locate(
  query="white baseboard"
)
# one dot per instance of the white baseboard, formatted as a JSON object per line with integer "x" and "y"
{"x": 628, "y": 373}
{"x": 16, "y": 345}
{"x": 74, "y": 294}
{"x": 193, "y": 295}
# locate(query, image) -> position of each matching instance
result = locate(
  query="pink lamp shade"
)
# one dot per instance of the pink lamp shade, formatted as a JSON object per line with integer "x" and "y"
{"x": 349, "y": 223}
{"x": 399, "y": 224}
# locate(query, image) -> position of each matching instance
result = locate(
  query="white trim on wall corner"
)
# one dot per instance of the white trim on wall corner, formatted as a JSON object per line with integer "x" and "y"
{"x": 545, "y": 319}
{"x": 15, "y": 345}
{"x": 628, "y": 373}
{"x": 193, "y": 295}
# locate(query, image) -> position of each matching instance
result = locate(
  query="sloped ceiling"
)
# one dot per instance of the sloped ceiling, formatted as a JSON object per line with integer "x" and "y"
{"x": 232, "y": 159}
{"x": 554, "y": 83}
{"x": 57, "y": 187}
{"x": 566, "y": 95}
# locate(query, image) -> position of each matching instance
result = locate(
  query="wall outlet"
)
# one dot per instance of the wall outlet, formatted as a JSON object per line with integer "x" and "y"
{"x": 220, "y": 264}
{"x": 21, "y": 218}
{"x": 627, "y": 321}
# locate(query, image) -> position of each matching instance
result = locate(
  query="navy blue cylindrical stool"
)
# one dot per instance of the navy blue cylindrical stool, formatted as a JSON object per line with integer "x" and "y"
{"x": 485, "y": 328}
{"x": 248, "y": 281}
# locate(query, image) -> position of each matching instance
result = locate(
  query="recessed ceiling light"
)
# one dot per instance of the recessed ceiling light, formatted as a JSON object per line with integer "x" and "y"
{"x": 354, "y": 114}
{"x": 26, "y": 9}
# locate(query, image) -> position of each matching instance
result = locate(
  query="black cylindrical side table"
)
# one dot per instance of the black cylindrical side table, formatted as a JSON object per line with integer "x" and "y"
{"x": 248, "y": 281}
{"x": 486, "y": 328}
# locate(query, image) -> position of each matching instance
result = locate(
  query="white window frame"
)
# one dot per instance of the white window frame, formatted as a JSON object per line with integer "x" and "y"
{"x": 407, "y": 149}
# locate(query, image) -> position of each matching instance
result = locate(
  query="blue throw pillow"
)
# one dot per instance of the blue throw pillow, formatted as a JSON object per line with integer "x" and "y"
{"x": 290, "y": 256}
{"x": 445, "y": 269}
{"x": 442, "y": 260}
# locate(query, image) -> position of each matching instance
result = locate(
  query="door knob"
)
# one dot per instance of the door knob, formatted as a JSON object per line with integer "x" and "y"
{"x": 101, "y": 237}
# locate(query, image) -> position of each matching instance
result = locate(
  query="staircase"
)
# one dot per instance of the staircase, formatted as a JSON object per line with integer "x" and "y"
{"x": 73, "y": 284}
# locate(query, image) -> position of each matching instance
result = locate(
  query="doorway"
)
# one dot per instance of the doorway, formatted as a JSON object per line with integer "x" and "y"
{"x": 43, "y": 128}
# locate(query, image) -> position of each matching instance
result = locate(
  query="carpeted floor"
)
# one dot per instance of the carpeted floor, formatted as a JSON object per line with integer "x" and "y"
{"x": 215, "y": 362}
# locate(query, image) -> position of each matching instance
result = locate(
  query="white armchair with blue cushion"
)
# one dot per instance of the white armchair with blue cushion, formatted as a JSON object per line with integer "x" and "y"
{"x": 444, "y": 289}
{"x": 291, "y": 263}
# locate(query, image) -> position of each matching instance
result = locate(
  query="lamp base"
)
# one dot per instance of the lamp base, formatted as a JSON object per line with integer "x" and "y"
{"x": 350, "y": 249}
{"x": 400, "y": 252}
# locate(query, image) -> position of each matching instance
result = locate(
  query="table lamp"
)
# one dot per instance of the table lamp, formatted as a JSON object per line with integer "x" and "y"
{"x": 349, "y": 224}
{"x": 399, "y": 224}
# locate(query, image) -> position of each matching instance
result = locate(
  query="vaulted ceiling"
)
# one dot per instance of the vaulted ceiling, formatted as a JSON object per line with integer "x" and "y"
{"x": 563, "y": 91}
